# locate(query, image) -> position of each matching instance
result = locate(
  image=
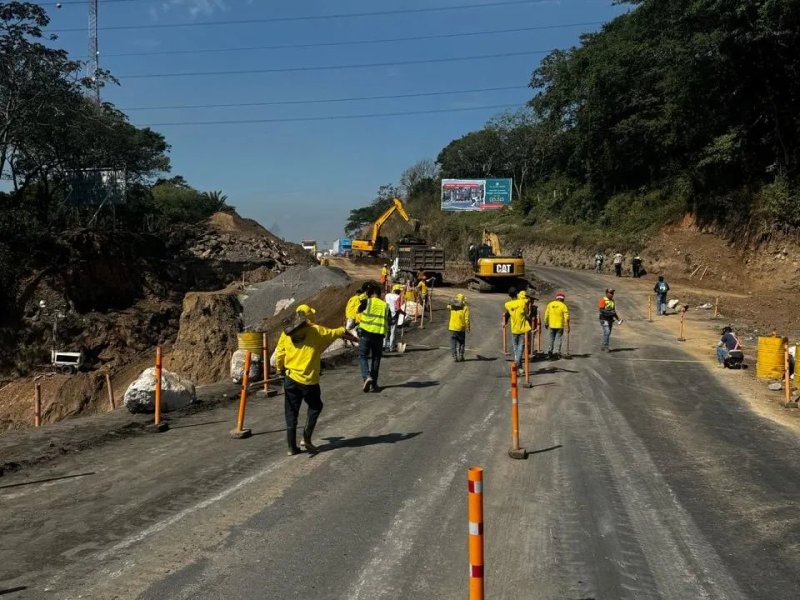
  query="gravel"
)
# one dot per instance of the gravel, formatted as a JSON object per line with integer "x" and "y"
{"x": 264, "y": 300}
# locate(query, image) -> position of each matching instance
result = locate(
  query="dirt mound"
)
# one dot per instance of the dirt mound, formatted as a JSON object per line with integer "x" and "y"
{"x": 329, "y": 303}
{"x": 207, "y": 336}
{"x": 294, "y": 286}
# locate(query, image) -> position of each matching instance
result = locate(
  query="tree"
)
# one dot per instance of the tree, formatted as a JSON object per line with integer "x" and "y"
{"x": 418, "y": 176}
{"x": 365, "y": 215}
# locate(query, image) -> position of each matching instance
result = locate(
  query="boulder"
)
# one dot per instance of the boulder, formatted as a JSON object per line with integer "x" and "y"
{"x": 237, "y": 366}
{"x": 176, "y": 392}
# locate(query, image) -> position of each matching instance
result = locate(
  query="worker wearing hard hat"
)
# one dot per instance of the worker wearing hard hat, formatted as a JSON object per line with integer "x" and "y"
{"x": 459, "y": 326}
{"x": 351, "y": 310}
{"x": 394, "y": 300}
{"x": 556, "y": 319}
{"x": 385, "y": 278}
{"x": 517, "y": 315}
{"x": 297, "y": 356}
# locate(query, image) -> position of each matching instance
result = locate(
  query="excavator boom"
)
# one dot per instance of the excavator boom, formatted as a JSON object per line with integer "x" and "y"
{"x": 373, "y": 244}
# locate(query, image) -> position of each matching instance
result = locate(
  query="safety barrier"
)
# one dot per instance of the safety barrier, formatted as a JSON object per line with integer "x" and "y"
{"x": 515, "y": 451}
{"x": 110, "y": 390}
{"x": 240, "y": 432}
{"x": 505, "y": 337}
{"x": 249, "y": 340}
{"x": 157, "y": 426}
{"x": 37, "y": 405}
{"x": 770, "y": 359}
{"x": 475, "y": 528}
{"x": 680, "y": 335}
{"x": 527, "y": 361}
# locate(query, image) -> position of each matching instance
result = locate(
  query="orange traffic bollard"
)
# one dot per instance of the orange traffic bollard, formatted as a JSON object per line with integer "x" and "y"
{"x": 527, "y": 361}
{"x": 37, "y": 405}
{"x": 538, "y": 338}
{"x": 515, "y": 451}
{"x": 505, "y": 338}
{"x": 240, "y": 432}
{"x": 110, "y": 392}
{"x": 716, "y": 307}
{"x": 475, "y": 521}
{"x": 265, "y": 361}
{"x": 787, "y": 382}
{"x": 680, "y": 336}
{"x": 158, "y": 425}
{"x": 650, "y": 309}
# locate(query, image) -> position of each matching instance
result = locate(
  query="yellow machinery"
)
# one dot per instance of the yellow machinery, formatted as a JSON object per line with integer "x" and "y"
{"x": 495, "y": 272}
{"x": 376, "y": 243}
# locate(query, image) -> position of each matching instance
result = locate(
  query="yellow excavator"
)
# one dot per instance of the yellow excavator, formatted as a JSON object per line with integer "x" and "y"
{"x": 377, "y": 244}
{"x": 494, "y": 272}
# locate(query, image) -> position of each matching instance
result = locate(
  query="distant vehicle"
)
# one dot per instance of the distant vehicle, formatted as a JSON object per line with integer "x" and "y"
{"x": 67, "y": 362}
{"x": 377, "y": 243}
{"x": 414, "y": 256}
{"x": 342, "y": 247}
{"x": 310, "y": 245}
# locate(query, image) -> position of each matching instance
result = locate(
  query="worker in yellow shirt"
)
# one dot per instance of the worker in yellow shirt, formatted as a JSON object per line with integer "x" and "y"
{"x": 385, "y": 278}
{"x": 351, "y": 310}
{"x": 556, "y": 318}
{"x": 517, "y": 316}
{"x": 422, "y": 291}
{"x": 459, "y": 326}
{"x": 374, "y": 325}
{"x": 297, "y": 356}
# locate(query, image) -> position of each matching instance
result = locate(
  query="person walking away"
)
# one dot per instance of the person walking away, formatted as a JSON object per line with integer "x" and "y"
{"x": 422, "y": 292}
{"x": 516, "y": 314}
{"x": 385, "y": 278}
{"x": 297, "y": 357}
{"x": 598, "y": 261}
{"x": 351, "y": 310}
{"x": 618, "y": 258}
{"x": 636, "y": 265}
{"x": 727, "y": 344}
{"x": 608, "y": 314}
{"x": 459, "y": 326}
{"x": 373, "y": 327}
{"x": 393, "y": 300}
{"x": 661, "y": 288}
{"x": 556, "y": 319}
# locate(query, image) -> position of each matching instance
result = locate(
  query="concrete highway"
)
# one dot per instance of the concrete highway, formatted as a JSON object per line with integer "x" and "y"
{"x": 648, "y": 478}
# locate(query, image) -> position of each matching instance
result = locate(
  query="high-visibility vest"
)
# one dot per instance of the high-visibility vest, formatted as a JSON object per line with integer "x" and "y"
{"x": 373, "y": 318}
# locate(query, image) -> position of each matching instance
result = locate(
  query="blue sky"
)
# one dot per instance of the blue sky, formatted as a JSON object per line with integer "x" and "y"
{"x": 306, "y": 176}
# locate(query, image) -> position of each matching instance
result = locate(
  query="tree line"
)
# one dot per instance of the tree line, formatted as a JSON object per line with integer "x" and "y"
{"x": 674, "y": 106}
{"x": 55, "y": 138}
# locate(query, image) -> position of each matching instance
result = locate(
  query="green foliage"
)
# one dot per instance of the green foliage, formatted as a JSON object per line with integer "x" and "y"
{"x": 365, "y": 215}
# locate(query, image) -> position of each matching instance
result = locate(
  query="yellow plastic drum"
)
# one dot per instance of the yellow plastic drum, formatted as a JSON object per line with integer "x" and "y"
{"x": 251, "y": 340}
{"x": 769, "y": 364}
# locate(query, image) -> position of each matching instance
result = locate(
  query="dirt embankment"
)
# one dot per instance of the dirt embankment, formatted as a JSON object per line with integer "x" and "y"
{"x": 114, "y": 296}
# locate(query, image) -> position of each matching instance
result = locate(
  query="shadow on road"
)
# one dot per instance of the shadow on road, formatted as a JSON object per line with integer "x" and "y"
{"x": 612, "y": 350}
{"x": 419, "y": 349}
{"x": 480, "y": 358}
{"x": 366, "y": 440}
{"x": 556, "y": 447}
{"x": 412, "y": 384}
{"x": 196, "y": 424}
{"x": 14, "y": 589}
{"x": 49, "y": 479}
{"x": 266, "y": 432}
{"x": 551, "y": 370}
{"x": 569, "y": 356}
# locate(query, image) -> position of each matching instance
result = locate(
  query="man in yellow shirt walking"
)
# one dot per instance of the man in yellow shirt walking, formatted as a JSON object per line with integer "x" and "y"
{"x": 458, "y": 326}
{"x": 556, "y": 318}
{"x": 518, "y": 317}
{"x": 297, "y": 356}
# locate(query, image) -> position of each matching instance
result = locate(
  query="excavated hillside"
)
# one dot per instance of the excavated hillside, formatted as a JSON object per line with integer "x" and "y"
{"x": 115, "y": 295}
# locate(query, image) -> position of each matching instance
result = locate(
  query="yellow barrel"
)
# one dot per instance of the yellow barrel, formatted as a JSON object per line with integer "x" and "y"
{"x": 250, "y": 340}
{"x": 769, "y": 364}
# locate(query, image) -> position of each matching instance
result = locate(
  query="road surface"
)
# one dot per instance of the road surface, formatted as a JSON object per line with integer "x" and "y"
{"x": 647, "y": 479}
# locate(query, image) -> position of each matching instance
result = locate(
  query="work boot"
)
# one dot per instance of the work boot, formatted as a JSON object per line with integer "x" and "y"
{"x": 367, "y": 384}
{"x": 293, "y": 451}
{"x": 310, "y": 448}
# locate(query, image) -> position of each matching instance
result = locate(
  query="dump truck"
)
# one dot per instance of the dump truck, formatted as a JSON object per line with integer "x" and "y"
{"x": 414, "y": 256}
{"x": 342, "y": 247}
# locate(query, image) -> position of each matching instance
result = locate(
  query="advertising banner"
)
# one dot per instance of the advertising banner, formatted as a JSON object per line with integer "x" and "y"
{"x": 475, "y": 194}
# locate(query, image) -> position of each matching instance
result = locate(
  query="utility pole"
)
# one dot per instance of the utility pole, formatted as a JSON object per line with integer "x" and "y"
{"x": 94, "y": 51}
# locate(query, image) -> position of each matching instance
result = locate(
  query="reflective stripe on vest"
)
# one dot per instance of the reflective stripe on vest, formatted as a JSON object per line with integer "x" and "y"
{"x": 373, "y": 319}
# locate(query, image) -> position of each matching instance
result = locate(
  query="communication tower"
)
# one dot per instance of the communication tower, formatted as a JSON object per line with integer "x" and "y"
{"x": 94, "y": 51}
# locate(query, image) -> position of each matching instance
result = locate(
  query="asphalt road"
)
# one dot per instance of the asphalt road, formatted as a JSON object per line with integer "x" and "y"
{"x": 648, "y": 479}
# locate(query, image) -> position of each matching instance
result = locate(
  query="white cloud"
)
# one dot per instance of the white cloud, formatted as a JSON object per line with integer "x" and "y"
{"x": 196, "y": 8}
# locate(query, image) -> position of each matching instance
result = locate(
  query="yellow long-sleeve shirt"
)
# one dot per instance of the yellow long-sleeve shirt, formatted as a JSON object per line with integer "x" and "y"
{"x": 299, "y": 355}
{"x": 518, "y": 318}
{"x": 556, "y": 315}
{"x": 459, "y": 317}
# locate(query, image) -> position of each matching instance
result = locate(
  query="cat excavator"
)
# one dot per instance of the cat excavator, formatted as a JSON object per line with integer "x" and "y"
{"x": 377, "y": 243}
{"x": 494, "y": 272}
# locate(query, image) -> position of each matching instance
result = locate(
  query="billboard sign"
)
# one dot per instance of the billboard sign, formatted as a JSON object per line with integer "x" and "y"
{"x": 475, "y": 194}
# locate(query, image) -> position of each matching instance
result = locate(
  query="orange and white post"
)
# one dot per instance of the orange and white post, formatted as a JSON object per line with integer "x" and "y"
{"x": 787, "y": 381}
{"x": 158, "y": 425}
{"x": 475, "y": 516}
{"x": 515, "y": 451}
{"x": 240, "y": 432}
{"x": 37, "y": 405}
{"x": 527, "y": 361}
{"x": 505, "y": 337}
{"x": 265, "y": 360}
{"x": 650, "y": 309}
{"x": 680, "y": 335}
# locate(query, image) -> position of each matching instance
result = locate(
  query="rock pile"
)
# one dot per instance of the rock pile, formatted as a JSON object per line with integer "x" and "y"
{"x": 213, "y": 245}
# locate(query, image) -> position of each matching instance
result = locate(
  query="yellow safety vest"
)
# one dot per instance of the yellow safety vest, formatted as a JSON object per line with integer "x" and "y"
{"x": 373, "y": 318}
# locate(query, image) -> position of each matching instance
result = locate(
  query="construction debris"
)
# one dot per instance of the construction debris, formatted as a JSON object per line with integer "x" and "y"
{"x": 176, "y": 392}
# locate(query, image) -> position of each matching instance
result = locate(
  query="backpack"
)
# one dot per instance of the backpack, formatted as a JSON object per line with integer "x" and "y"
{"x": 662, "y": 287}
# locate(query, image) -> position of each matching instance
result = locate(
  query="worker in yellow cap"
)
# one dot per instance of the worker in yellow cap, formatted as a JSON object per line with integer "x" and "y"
{"x": 385, "y": 278}
{"x": 297, "y": 356}
{"x": 556, "y": 319}
{"x": 351, "y": 310}
{"x": 517, "y": 315}
{"x": 394, "y": 301}
{"x": 459, "y": 326}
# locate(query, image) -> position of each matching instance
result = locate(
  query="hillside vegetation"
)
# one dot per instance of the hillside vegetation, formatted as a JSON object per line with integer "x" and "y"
{"x": 676, "y": 106}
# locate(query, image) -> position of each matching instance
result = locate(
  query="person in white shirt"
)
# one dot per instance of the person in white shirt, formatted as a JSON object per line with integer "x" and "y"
{"x": 618, "y": 258}
{"x": 393, "y": 300}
